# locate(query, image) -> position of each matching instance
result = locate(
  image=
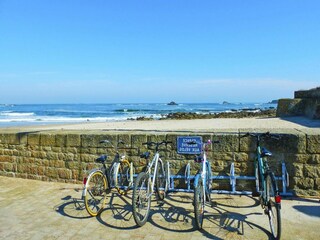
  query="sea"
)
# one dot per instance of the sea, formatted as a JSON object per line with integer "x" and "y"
{"x": 37, "y": 114}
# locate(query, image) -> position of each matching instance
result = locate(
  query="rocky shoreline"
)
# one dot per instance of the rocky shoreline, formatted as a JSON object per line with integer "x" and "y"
{"x": 251, "y": 113}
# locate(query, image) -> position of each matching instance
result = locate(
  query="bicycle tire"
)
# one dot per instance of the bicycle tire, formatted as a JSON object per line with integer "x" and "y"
{"x": 208, "y": 182}
{"x": 95, "y": 193}
{"x": 160, "y": 181}
{"x": 122, "y": 177}
{"x": 273, "y": 208}
{"x": 258, "y": 187}
{"x": 141, "y": 199}
{"x": 199, "y": 202}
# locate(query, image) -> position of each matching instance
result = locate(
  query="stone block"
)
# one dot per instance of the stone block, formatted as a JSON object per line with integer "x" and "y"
{"x": 93, "y": 140}
{"x": 8, "y": 159}
{"x": 51, "y": 172}
{"x": 290, "y": 107}
{"x": 47, "y": 139}
{"x": 314, "y": 159}
{"x": 313, "y": 143}
{"x": 64, "y": 173}
{"x": 227, "y": 143}
{"x": 317, "y": 184}
{"x": 61, "y": 140}
{"x": 10, "y": 138}
{"x": 303, "y": 183}
{"x": 34, "y": 139}
{"x": 73, "y": 140}
{"x": 312, "y": 171}
{"x": 298, "y": 170}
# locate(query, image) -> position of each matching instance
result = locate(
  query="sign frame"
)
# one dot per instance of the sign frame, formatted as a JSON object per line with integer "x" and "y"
{"x": 184, "y": 148}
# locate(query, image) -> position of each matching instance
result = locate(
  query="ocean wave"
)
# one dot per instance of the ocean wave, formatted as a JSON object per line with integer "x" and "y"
{"x": 16, "y": 114}
{"x": 46, "y": 119}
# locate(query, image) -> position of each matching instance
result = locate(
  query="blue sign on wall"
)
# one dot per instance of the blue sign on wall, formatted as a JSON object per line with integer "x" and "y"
{"x": 189, "y": 145}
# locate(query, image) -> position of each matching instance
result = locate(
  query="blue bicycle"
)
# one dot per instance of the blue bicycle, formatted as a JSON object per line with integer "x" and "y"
{"x": 266, "y": 185}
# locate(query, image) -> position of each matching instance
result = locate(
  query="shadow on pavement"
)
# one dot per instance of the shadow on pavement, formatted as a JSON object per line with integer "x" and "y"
{"x": 303, "y": 121}
{"x": 118, "y": 215}
{"x": 72, "y": 207}
{"x": 313, "y": 211}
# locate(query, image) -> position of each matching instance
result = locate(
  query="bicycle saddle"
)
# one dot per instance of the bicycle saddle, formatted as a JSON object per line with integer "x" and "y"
{"x": 145, "y": 155}
{"x": 101, "y": 159}
{"x": 265, "y": 153}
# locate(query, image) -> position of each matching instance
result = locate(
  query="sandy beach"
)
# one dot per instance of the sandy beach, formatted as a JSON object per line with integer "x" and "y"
{"x": 196, "y": 125}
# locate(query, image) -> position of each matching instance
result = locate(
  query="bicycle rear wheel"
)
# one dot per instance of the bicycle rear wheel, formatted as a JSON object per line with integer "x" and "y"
{"x": 160, "y": 181}
{"x": 141, "y": 199}
{"x": 95, "y": 193}
{"x": 199, "y": 202}
{"x": 273, "y": 208}
{"x": 122, "y": 177}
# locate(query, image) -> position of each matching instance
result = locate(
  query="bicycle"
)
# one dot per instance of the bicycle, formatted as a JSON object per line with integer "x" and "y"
{"x": 202, "y": 184}
{"x": 99, "y": 181}
{"x": 146, "y": 182}
{"x": 266, "y": 185}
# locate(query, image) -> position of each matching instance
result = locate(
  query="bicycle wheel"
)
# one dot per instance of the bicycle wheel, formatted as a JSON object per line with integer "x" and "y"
{"x": 208, "y": 182}
{"x": 95, "y": 193}
{"x": 258, "y": 187}
{"x": 160, "y": 181}
{"x": 273, "y": 208}
{"x": 141, "y": 199}
{"x": 122, "y": 177}
{"x": 199, "y": 202}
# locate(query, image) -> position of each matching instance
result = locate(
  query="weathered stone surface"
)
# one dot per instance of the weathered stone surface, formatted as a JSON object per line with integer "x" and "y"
{"x": 317, "y": 183}
{"x": 298, "y": 170}
{"x": 290, "y": 107}
{"x": 10, "y": 138}
{"x": 313, "y": 144}
{"x": 73, "y": 140}
{"x": 314, "y": 159}
{"x": 34, "y": 139}
{"x": 303, "y": 183}
{"x": 47, "y": 139}
{"x": 227, "y": 143}
{"x": 312, "y": 171}
{"x": 65, "y": 173}
{"x": 61, "y": 140}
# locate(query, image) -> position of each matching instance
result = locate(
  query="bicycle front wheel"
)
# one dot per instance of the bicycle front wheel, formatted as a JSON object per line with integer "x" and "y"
{"x": 95, "y": 193}
{"x": 141, "y": 199}
{"x": 273, "y": 208}
{"x": 199, "y": 203}
{"x": 161, "y": 181}
{"x": 122, "y": 177}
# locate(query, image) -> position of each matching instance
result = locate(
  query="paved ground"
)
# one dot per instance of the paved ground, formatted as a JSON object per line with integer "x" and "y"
{"x": 44, "y": 210}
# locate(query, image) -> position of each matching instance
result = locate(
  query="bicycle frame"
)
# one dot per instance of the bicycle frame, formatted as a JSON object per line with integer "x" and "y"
{"x": 263, "y": 167}
{"x": 202, "y": 176}
{"x": 154, "y": 162}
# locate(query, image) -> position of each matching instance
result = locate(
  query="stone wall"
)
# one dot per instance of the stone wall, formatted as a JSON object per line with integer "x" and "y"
{"x": 67, "y": 156}
{"x": 305, "y": 103}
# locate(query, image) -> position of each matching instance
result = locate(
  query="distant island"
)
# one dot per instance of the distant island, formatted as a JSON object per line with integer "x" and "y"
{"x": 172, "y": 103}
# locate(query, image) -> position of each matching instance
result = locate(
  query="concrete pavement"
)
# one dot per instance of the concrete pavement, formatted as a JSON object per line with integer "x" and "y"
{"x": 32, "y": 209}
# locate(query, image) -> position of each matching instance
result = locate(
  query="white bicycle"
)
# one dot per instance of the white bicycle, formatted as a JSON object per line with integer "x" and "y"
{"x": 146, "y": 182}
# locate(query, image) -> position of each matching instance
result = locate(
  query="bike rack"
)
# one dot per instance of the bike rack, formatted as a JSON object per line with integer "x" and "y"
{"x": 284, "y": 178}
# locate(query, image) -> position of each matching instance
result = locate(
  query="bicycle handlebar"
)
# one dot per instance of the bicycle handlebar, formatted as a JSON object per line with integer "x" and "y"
{"x": 258, "y": 136}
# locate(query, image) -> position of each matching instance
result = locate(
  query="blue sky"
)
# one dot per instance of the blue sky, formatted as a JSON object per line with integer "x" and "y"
{"x": 157, "y": 50}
